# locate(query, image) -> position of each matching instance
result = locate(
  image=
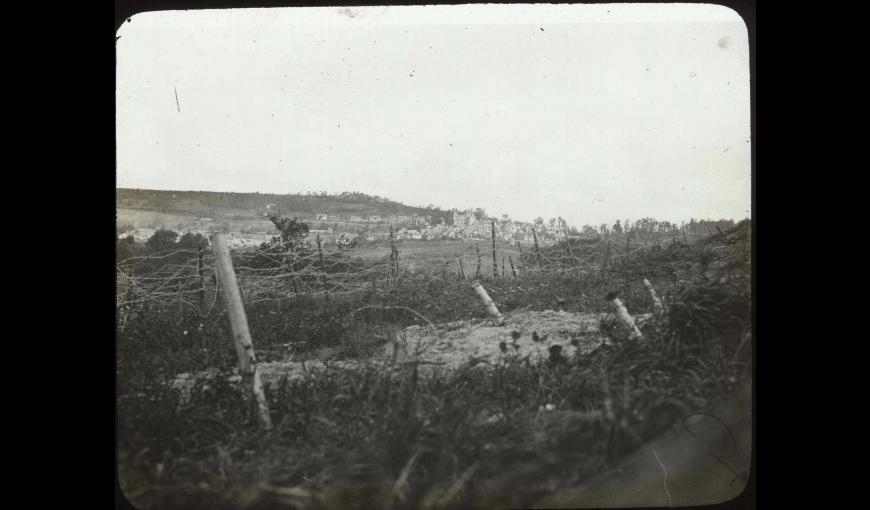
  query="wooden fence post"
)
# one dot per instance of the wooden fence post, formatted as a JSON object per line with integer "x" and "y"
{"x": 522, "y": 258}
{"x": 658, "y": 308}
{"x": 462, "y": 270}
{"x": 488, "y": 302}
{"x": 394, "y": 251}
{"x": 293, "y": 273}
{"x": 241, "y": 334}
{"x": 624, "y": 317}
{"x": 537, "y": 250}
{"x": 494, "y": 260}
{"x": 568, "y": 244}
{"x": 513, "y": 269}
{"x": 477, "y": 272}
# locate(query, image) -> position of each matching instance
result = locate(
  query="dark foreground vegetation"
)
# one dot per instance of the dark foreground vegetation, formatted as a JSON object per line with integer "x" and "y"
{"x": 368, "y": 438}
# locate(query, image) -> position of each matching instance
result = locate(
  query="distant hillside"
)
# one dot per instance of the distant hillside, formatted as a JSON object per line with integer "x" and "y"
{"x": 173, "y": 208}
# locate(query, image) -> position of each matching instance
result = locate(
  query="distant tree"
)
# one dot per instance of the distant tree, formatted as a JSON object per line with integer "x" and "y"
{"x": 191, "y": 241}
{"x": 617, "y": 228}
{"x": 162, "y": 240}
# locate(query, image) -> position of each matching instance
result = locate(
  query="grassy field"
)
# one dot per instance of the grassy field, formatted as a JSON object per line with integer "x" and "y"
{"x": 373, "y": 438}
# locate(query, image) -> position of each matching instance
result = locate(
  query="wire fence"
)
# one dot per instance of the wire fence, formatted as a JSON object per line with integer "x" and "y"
{"x": 186, "y": 279}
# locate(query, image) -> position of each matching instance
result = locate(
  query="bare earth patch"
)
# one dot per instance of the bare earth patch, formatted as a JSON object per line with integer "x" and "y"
{"x": 538, "y": 336}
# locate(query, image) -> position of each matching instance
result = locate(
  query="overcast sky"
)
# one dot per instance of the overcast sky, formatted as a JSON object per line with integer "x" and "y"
{"x": 589, "y": 112}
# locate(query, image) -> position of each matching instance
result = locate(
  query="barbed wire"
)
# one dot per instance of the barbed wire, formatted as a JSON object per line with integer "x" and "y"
{"x": 187, "y": 277}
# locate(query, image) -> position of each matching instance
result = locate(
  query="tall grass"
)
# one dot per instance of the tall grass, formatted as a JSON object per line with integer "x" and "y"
{"x": 479, "y": 437}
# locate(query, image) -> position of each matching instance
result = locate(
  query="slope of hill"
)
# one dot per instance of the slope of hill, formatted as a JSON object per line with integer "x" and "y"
{"x": 142, "y": 208}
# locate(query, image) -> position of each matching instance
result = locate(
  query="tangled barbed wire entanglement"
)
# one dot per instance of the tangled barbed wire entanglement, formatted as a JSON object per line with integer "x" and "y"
{"x": 279, "y": 270}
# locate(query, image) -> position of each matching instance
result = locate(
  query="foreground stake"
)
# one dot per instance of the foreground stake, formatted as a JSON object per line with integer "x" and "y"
{"x": 658, "y": 309}
{"x": 241, "y": 334}
{"x": 624, "y": 317}
{"x": 522, "y": 258}
{"x": 488, "y": 302}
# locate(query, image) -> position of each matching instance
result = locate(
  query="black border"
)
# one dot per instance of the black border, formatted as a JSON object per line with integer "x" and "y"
{"x": 124, "y": 9}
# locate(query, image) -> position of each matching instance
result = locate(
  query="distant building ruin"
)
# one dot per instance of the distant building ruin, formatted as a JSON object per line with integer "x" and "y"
{"x": 462, "y": 218}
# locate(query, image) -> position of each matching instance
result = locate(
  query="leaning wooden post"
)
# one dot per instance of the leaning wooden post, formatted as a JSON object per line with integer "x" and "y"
{"x": 494, "y": 260}
{"x": 241, "y": 334}
{"x": 513, "y": 269}
{"x": 522, "y": 258}
{"x": 568, "y": 244}
{"x": 537, "y": 250}
{"x": 624, "y": 317}
{"x": 658, "y": 309}
{"x": 488, "y": 302}
{"x": 462, "y": 270}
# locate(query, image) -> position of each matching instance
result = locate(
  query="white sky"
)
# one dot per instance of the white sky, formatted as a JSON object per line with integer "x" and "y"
{"x": 589, "y": 112}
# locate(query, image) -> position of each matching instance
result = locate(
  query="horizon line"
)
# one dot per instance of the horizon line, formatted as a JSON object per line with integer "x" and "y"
{"x": 437, "y": 207}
